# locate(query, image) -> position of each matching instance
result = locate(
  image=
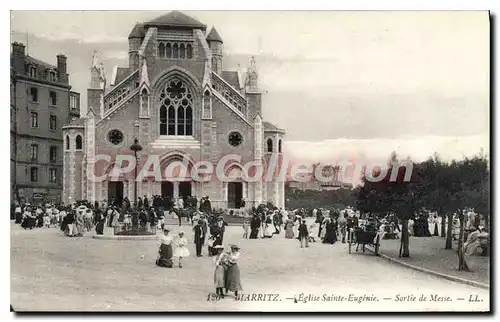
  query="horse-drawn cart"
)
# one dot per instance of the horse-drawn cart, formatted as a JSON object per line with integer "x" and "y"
{"x": 359, "y": 236}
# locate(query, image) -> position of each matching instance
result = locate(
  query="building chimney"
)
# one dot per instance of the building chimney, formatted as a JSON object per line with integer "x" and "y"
{"x": 62, "y": 71}
{"x": 18, "y": 58}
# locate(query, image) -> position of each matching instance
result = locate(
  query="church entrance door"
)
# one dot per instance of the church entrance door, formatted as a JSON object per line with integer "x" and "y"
{"x": 184, "y": 189}
{"x": 234, "y": 194}
{"x": 115, "y": 191}
{"x": 167, "y": 189}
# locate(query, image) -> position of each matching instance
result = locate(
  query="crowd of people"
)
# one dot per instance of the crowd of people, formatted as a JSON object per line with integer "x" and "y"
{"x": 208, "y": 226}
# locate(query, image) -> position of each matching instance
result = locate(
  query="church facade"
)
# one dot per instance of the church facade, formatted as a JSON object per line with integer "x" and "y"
{"x": 179, "y": 103}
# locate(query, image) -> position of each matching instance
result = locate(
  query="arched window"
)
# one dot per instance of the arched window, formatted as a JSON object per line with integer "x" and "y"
{"x": 67, "y": 142}
{"x": 181, "y": 121}
{"x": 171, "y": 121}
{"x": 279, "y": 146}
{"x": 176, "y": 109}
{"x": 269, "y": 145}
{"x": 79, "y": 143}
{"x": 144, "y": 100}
{"x": 163, "y": 120}
{"x": 182, "y": 52}
{"x": 189, "y": 51}
{"x": 189, "y": 120}
{"x": 206, "y": 105}
{"x": 169, "y": 50}
{"x": 175, "y": 51}
{"x": 161, "y": 50}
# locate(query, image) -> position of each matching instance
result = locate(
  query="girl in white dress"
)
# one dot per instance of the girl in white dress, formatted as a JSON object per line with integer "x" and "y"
{"x": 181, "y": 249}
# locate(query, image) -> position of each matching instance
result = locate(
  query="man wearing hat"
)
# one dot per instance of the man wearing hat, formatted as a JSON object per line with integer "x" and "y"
{"x": 221, "y": 223}
{"x": 198, "y": 235}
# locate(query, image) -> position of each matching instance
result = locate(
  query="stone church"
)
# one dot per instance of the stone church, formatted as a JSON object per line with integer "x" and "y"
{"x": 176, "y": 99}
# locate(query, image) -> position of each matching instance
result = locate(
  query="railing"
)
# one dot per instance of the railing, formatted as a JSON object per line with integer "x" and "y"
{"x": 229, "y": 93}
{"x": 121, "y": 91}
{"x": 134, "y": 230}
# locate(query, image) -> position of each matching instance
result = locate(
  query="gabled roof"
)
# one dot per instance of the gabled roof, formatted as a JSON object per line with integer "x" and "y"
{"x": 176, "y": 19}
{"x": 137, "y": 32}
{"x": 270, "y": 127}
{"x": 232, "y": 78}
{"x": 213, "y": 35}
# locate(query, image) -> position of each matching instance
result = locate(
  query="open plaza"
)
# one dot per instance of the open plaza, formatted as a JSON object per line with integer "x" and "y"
{"x": 51, "y": 272}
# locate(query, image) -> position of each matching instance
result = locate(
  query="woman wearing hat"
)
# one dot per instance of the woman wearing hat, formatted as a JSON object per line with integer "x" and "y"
{"x": 181, "y": 249}
{"x": 165, "y": 251}
{"x": 233, "y": 281}
{"x": 220, "y": 270}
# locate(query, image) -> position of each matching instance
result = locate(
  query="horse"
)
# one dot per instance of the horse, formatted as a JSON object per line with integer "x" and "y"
{"x": 186, "y": 213}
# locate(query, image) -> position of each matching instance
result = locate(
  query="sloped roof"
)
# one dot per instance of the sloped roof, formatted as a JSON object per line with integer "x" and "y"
{"x": 213, "y": 35}
{"x": 232, "y": 78}
{"x": 121, "y": 74}
{"x": 176, "y": 19}
{"x": 39, "y": 62}
{"x": 270, "y": 127}
{"x": 137, "y": 31}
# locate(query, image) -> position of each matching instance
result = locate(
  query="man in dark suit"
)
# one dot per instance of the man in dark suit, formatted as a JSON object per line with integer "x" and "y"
{"x": 198, "y": 234}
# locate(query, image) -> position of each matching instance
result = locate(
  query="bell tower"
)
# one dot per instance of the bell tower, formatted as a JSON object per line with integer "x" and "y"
{"x": 215, "y": 43}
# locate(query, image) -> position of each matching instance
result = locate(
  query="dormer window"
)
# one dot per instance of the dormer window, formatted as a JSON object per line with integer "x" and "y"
{"x": 32, "y": 71}
{"x": 52, "y": 76}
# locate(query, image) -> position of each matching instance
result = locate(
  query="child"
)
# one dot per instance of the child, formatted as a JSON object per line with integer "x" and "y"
{"x": 220, "y": 270}
{"x": 181, "y": 249}
{"x": 210, "y": 243}
{"x": 314, "y": 231}
{"x": 245, "y": 229}
{"x": 46, "y": 220}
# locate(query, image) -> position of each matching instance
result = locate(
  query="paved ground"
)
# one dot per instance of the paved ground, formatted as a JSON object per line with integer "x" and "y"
{"x": 429, "y": 253}
{"x": 52, "y": 272}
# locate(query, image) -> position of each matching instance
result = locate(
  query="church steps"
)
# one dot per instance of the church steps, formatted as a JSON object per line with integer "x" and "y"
{"x": 178, "y": 142}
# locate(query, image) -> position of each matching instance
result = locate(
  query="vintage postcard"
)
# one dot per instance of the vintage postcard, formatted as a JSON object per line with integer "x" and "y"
{"x": 274, "y": 161}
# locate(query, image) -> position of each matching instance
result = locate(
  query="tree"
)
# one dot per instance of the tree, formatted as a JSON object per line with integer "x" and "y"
{"x": 391, "y": 194}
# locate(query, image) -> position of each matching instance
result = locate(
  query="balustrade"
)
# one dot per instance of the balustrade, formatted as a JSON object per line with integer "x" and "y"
{"x": 229, "y": 93}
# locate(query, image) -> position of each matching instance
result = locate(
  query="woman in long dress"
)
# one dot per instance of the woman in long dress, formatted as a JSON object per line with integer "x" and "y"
{"x": 322, "y": 233}
{"x": 165, "y": 252}
{"x": 181, "y": 250}
{"x": 114, "y": 221}
{"x": 18, "y": 214}
{"x": 254, "y": 227}
{"x": 233, "y": 281}
{"x": 220, "y": 270}
{"x": 80, "y": 224}
{"x": 100, "y": 219}
{"x": 269, "y": 227}
{"x": 289, "y": 234}
{"x": 411, "y": 227}
{"x": 330, "y": 232}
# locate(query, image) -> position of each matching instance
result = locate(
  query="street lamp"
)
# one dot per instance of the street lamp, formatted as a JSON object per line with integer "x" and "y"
{"x": 136, "y": 147}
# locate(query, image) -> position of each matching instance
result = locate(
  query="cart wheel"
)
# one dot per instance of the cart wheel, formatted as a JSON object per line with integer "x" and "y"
{"x": 377, "y": 245}
{"x": 349, "y": 235}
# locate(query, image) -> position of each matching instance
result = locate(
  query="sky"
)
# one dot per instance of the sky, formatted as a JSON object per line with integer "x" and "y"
{"x": 340, "y": 83}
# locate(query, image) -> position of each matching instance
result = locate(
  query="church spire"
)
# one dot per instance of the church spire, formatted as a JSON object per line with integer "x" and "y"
{"x": 252, "y": 77}
{"x": 97, "y": 76}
